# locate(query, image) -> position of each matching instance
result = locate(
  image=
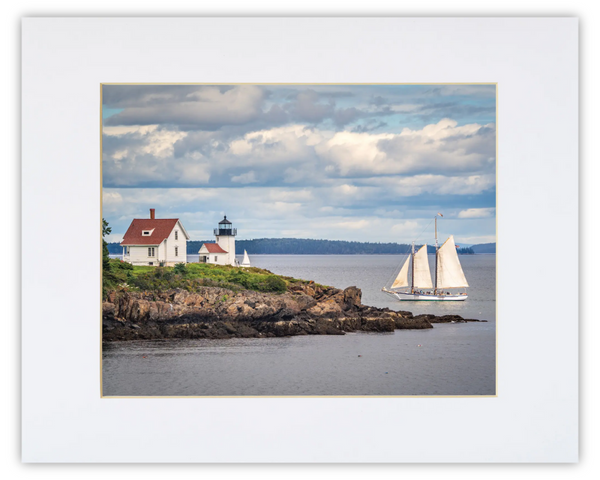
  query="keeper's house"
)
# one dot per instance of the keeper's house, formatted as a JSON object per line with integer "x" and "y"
{"x": 155, "y": 241}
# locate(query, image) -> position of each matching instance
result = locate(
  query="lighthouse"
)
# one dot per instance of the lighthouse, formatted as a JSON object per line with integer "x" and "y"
{"x": 225, "y": 235}
{"x": 223, "y": 251}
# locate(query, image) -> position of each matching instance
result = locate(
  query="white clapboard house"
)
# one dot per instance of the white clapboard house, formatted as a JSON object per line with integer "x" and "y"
{"x": 222, "y": 252}
{"x": 155, "y": 241}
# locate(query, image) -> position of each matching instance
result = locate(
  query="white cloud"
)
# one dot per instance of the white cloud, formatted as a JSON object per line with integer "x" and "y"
{"x": 260, "y": 212}
{"x": 477, "y": 213}
{"x": 441, "y": 147}
{"x": 152, "y": 140}
{"x": 245, "y": 178}
{"x": 295, "y": 154}
{"x": 283, "y": 207}
{"x": 346, "y": 189}
{"x": 353, "y": 224}
{"x": 291, "y": 195}
{"x": 208, "y": 105}
{"x": 194, "y": 174}
{"x": 409, "y": 186}
{"x": 474, "y": 240}
{"x": 406, "y": 231}
{"x": 125, "y": 129}
{"x": 111, "y": 198}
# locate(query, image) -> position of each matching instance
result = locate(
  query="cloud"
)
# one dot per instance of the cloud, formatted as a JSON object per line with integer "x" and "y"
{"x": 462, "y": 90}
{"x": 111, "y": 198}
{"x": 291, "y": 195}
{"x": 307, "y": 107}
{"x": 297, "y": 155}
{"x": 368, "y": 163}
{"x": 408, "y": 186}
{"x": 407, "y": 228}
{"x": 260, "y": 212}
{"x": 477, "y": 213}
{"x": 440, "y": 147}
{"x": 353, "y": 225}
{"x": 204, "y": 106}
{"x": 245, "y": 178}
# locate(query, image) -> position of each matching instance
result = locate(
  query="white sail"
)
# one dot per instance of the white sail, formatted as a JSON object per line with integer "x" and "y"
{"x": 449, "y": 272}
{"x": 402, "y": 278}
{"x": 422, "y": 273}
{"x": 246, "y": 260}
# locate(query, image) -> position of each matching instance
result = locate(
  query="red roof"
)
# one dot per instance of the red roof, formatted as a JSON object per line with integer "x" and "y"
{"x": 162, "y": 229}
{"x": 213, "y": 248}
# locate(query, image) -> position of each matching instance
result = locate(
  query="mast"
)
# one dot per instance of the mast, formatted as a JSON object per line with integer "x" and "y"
{"x": 436, "y": 259}
{"x": 412, "y": 271}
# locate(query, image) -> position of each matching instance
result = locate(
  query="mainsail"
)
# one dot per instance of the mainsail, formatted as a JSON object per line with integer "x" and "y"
{"x": 422, "y": 275}
{"x": 246, "y": 260}
{"x": 402, "y": 278}
{"x": 449, "y": 272}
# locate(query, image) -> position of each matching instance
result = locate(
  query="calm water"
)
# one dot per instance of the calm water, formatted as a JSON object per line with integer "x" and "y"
{"x": 452, "y": 359}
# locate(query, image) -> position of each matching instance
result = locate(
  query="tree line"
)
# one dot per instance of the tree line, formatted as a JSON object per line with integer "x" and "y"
{"x": 303, "y": 246}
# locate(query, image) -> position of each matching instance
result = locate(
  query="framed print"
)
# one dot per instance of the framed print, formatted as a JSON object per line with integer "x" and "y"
{"x": 284, "y": 236}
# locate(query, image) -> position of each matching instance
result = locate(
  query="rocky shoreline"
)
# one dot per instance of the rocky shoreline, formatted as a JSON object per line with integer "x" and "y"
{"x": 214, "y": 312}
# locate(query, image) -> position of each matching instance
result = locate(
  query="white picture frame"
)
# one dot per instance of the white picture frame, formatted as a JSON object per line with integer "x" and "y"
{"x": 534, "y": 418}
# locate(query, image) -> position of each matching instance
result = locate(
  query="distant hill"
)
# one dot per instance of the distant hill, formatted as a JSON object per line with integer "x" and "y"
{"x": 484, "y": 248}
{"x": 303, "y": 246}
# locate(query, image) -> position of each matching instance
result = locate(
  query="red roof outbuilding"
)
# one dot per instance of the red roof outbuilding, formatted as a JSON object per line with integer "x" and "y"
{"x": 213, "y": 248}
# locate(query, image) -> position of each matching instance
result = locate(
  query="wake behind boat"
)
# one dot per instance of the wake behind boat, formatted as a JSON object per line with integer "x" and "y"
{"x": 448, "y": 275}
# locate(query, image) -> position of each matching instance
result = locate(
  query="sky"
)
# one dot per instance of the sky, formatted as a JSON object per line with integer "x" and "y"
{"x": 371, "y": 163}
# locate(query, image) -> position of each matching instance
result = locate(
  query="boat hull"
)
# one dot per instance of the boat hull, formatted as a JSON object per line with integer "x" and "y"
{"x": 418, "y": 297}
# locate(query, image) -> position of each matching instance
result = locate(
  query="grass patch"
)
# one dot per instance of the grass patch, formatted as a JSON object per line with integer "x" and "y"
{"x": 192, "y": 276}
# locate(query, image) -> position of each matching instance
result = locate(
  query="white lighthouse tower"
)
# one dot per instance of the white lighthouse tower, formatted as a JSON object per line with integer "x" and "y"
{"x": 225, "y": 234}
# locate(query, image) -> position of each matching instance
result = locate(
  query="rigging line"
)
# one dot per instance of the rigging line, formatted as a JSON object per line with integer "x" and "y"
{"x": 395, "y": 273}
{"x": 426, "y": 226}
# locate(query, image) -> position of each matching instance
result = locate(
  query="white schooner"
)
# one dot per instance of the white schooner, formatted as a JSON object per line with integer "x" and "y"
{"x": 448, "y": 275}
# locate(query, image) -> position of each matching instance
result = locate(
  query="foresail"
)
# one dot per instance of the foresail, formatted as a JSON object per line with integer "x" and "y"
{"x": 422, "y": 272}
{"x": 449, "y": 272}
{"x": 402, "y": 278}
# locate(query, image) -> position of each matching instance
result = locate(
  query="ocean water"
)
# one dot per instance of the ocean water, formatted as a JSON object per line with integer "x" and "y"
{"x": 450, "y": 359}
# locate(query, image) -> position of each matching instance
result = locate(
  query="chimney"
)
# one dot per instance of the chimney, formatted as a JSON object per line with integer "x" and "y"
{"x": 152, "y": 214}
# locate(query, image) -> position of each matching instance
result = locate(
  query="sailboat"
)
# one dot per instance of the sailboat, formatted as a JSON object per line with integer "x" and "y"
{"x": 246, "y": 260}
{"x": 448, "y": 274}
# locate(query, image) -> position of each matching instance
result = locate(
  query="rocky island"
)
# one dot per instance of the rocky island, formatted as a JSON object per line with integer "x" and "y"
{"x": 201, "y": 301}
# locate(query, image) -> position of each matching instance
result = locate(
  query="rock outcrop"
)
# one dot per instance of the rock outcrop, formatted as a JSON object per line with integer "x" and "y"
{"x": 214, "y": 312}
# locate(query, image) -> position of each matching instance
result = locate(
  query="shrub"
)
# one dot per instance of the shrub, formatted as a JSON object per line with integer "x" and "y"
{"x": 274, "y": 283}
{"x": 117, "y": 264}
{"x": 180, "y": 269}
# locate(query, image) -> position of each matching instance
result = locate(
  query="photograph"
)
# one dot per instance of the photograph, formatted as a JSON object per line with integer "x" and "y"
{"x": 298, "y": 240}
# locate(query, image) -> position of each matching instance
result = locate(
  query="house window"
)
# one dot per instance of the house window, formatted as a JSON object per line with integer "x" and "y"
{"x": 127, "y": 250}
{"x": 176, "y": 249}
{"x": 146, "y": 233}
{"x": 215, "y": 258}
{"x": 150, "y": 251}
{"x": 176, "y": 236}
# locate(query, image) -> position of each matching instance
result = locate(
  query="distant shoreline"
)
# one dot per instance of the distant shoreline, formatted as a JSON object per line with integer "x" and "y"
{"x": 301, "y": 246}
{"x": 117, "y": 255}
